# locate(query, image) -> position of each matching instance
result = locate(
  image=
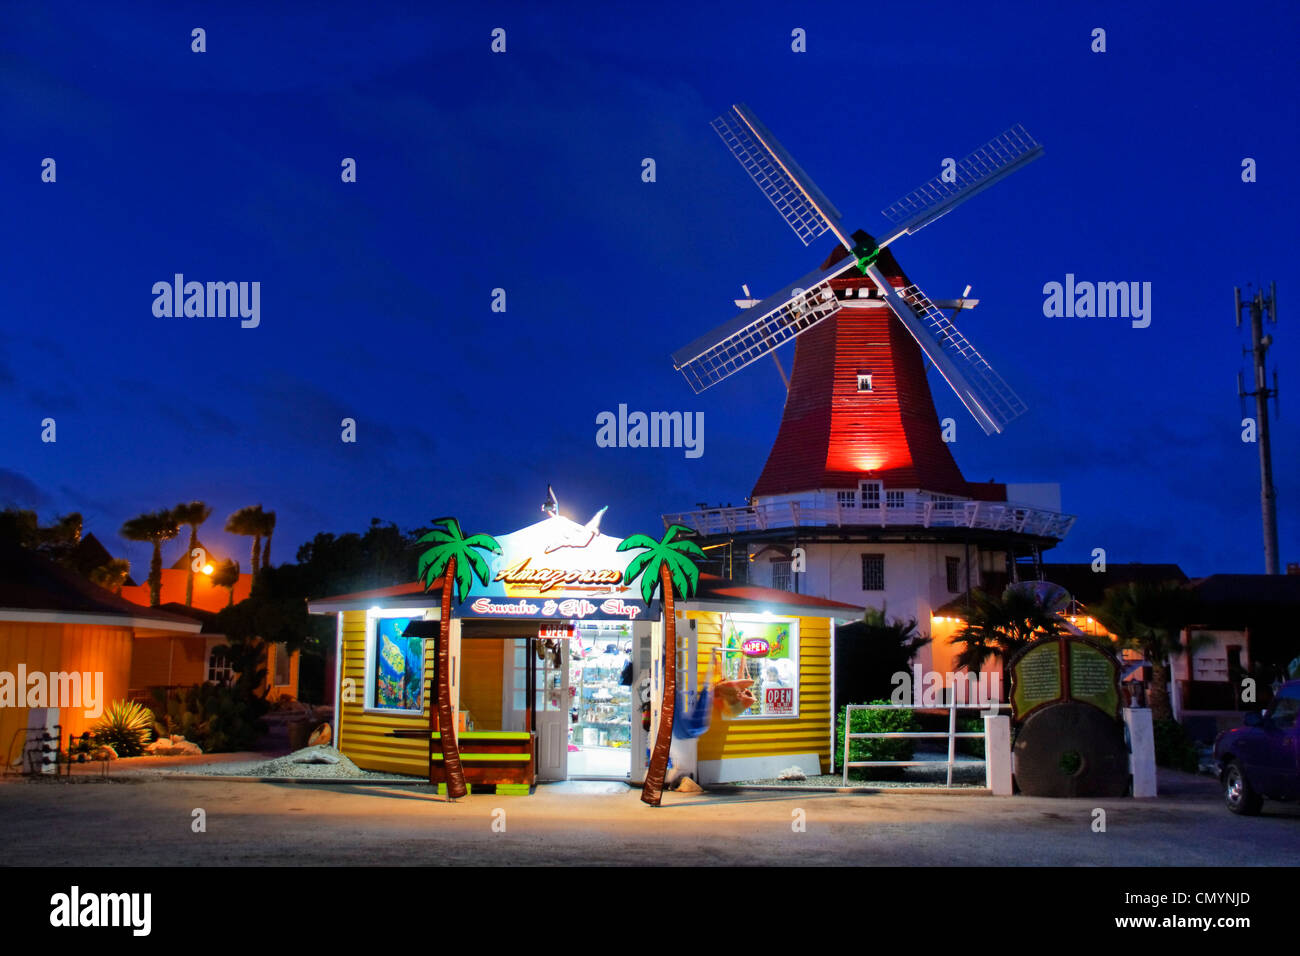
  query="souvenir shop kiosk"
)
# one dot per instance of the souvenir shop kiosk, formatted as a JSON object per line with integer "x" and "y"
{"x": 556, "y": 671}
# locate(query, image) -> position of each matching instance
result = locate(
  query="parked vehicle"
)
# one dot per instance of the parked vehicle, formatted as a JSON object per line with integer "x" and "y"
{"x": 1262, "y": 759}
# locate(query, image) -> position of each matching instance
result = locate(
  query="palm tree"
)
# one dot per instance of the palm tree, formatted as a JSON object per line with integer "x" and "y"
{"x": 268, "y": 528}
{"x": 192, "y": 514}
{"x": 226, "y": 575}
{"x": 664, "y": 566}
{"x": 452, "y": 558}
{"x": 1000, "y": 626}
{"x": 154, "y": 527}
{"x": 112, "y": 574}
{"x": 1150, "y": 618}
{"x": 249, "y": 522}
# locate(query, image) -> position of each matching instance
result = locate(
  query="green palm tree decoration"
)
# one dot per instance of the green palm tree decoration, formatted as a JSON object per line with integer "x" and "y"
{"x": 153, "y": 527}
{"x": 665, "y": 566}
{"x": 192, "y": 514}
{"x": 455, "y": 560}
{"x": 249, "y": 522}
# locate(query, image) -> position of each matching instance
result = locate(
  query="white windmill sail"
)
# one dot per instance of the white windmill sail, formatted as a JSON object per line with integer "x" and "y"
{"x": 998, "y": 158}
{"x": 759, "y": 330}
{"x": 981, "y": 389}
{"x": 787, "y": 313}
{"x": 793, "y": 193}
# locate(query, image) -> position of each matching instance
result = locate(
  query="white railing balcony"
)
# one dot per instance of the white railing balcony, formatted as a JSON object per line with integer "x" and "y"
{"x": 915, "y": 511}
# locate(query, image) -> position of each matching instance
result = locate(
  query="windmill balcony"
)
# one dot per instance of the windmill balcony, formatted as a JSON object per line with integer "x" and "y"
{"x": 915, "y": 510}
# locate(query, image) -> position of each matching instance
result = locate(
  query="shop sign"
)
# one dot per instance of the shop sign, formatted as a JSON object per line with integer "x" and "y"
{"x": 779, "y": 700}
{"x": 755, "y": 647}
{"x": 558, "y": 568}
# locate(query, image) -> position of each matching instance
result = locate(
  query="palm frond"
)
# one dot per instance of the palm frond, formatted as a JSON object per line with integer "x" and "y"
{"x": 637, "y": 541}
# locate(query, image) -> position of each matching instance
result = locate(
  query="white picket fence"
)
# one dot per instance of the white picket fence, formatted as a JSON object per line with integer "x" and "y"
{"x": 952, "y": 735}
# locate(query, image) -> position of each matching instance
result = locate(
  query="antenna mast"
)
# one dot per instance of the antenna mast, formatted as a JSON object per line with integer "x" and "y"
{"x": 1258, "y": 306}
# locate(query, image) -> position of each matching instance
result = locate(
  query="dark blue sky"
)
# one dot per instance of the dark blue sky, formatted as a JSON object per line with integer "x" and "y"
{"x": 522, "y": 171}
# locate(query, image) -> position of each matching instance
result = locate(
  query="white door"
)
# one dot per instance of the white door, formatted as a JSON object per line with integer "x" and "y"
{"x": 552, "y": 710}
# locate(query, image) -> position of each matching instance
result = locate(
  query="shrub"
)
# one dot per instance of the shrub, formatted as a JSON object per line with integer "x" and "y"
{"x": 1174, "y": 748}
{"x": 218, "y": 719}
{"x": 969, "y": 745}
{"x": 126, "y": 727}
{"x": 876, "y": 721}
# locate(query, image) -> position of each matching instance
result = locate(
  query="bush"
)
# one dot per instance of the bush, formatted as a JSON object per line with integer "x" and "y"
{"x": 218, "y": 719}
{"x": 970, "y": 746}
{"x": 876, "y": 721}
{"x": 1174, "y": 748}
{"x": 126, "y": 727}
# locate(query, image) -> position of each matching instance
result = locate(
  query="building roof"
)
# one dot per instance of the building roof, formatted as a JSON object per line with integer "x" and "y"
{"x": 33, "y": 588}
{"x": 1274, "y": 590}
{"x": 1088, "y": 586}
{"x": 714, "y": 593}
{"x": 1084, "y": 584}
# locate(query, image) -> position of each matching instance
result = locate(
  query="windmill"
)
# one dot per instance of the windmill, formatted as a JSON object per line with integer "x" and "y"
{"x": 769, "y": 323}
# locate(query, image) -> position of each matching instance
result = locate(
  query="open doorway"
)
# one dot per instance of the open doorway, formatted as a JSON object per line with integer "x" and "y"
{"x": 601, "y": 697}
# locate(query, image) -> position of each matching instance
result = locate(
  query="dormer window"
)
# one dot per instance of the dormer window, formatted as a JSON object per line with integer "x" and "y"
{"x": 864, "y": 381}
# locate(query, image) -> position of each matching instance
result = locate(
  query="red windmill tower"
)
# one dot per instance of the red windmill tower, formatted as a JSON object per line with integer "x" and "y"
{"x": 860, "y": 491}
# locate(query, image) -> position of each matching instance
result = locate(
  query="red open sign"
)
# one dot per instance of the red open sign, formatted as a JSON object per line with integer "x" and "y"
{"x": 755, "y": 647}
{"x": 779, "y": 700}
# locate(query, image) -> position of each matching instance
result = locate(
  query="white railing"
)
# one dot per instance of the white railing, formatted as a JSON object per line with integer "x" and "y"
{"x": 914, "y": 512}
{"x": 951, "y": 735}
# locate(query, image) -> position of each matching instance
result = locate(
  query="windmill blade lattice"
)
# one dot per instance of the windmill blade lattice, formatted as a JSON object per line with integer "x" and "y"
{"x": 757, "y": 331}
{"x": 986, "y": 396}
{"x": 793, "y": 193}
{"x": 996, "y": 159}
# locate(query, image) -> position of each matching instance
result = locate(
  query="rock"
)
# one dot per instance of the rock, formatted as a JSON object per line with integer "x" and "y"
{"x": 103, "y": 752}
{"x": 174, "y": 746}
{"x": 320, "y": 736}
{"x": 791, "y": 773}
{"x": 316, "y": 755}
{"x": 687, "y": 785}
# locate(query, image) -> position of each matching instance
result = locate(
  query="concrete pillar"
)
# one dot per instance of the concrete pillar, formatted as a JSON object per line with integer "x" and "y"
{"x": 997, "y": 754}
{"x": 1142, "y": 750}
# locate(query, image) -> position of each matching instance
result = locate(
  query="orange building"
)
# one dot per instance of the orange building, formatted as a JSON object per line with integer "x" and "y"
{"x": 66, "y": 647}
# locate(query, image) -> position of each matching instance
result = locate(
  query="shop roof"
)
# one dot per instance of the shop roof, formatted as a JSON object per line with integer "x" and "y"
{"x": 33, "y": 588}
{"x": 714, "y": 593}
{"x": 398, "y": 595}
{"x": 722, "y": 594}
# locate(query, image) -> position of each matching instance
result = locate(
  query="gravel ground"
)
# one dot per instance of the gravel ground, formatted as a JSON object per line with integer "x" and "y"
{"x": 296, "y": 764}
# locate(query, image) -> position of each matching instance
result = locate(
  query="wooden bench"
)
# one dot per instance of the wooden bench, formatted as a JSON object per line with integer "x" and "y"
{"x": 503, "y": 759}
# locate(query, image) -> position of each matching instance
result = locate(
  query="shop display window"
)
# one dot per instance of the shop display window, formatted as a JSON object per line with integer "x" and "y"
{"x": 396, "y": 672}
{"x": 766, "y": 651}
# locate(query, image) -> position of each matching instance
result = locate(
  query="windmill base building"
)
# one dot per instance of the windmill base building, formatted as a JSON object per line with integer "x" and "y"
{"x": 860, "y": 500}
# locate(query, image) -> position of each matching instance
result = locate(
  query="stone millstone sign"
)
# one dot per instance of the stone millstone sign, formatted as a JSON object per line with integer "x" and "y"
{"x": 1065, "y": 704}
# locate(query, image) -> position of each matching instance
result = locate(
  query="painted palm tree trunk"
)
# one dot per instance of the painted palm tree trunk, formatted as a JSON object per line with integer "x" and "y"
{"x": 653, "y": 788}
{"x": 446, "y": 719}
